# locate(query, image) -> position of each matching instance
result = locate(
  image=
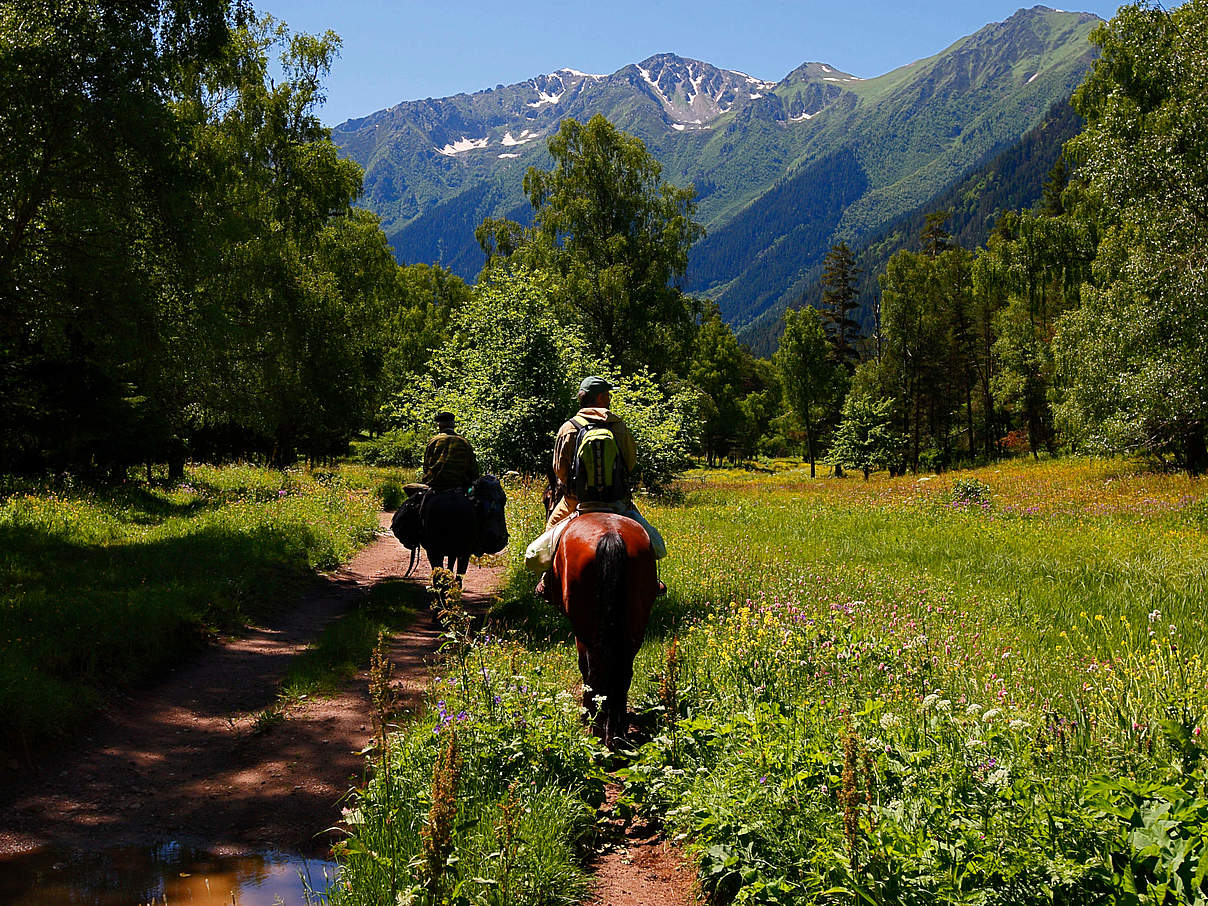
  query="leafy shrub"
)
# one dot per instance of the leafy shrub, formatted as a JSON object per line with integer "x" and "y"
{"x": 524, "y": 799}
{"x": 1159, "y": 852}
{"x": 399, "y": 447}
{"x": 391, "y": 493}
{"x": 970, "y": 492}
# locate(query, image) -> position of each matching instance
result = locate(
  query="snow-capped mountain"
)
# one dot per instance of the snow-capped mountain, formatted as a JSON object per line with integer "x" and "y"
{"x": 781, "y": 169}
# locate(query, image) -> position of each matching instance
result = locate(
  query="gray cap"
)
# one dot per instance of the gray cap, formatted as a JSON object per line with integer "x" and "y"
{"x": 593, "y": 386}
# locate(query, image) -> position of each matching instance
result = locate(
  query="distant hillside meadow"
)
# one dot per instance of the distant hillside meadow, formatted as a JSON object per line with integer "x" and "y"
{"x": 781, "y": 170}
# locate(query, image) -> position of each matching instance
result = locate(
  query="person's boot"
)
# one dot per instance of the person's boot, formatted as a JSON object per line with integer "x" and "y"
{"x": 542, "y": 591}
{"x": 660, "y": 589}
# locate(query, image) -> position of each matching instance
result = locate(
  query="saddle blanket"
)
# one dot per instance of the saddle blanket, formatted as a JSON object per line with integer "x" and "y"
{"x": 539, "y": 556}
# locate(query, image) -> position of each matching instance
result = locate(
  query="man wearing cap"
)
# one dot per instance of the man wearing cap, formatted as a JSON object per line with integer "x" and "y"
{"x": 595, "y": 396}
{"x": 449, "y": 460}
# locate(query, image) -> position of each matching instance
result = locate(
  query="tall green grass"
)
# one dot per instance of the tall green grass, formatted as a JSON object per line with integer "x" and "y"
{"x": 992, "y": 669}
{"x": 101, "y": 587}
{"x": 900, "y": 691}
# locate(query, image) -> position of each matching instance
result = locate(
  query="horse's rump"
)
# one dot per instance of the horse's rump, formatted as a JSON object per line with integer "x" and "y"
{"x": 604, "y": 572}
{"x": 577, "y": 573}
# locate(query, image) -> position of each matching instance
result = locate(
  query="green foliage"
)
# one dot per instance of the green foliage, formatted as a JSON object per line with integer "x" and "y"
{"x": 812, "y": 383}
{"x": 525, "y": 800}
{"x": 509, "y": 371}
{"x": 618, "y": 237}
{"x": 193, "y": 280}
{"x": 1133, "y": 355}
{"x": 967, "y": 491}
{"x": 1158, "y": 854}
{"x": 104, "y": 587}
{"x": 396, "y": 447}
{"x": 390, "y": 493}
{"x": 96, "y": 198}
{"x": 665, "y": 427}
{"x": 866, "y": 438}
{"x": 718, "y": 371}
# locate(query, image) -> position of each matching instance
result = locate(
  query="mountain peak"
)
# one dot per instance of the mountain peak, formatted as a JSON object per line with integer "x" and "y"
{"x": 693, "y": 93}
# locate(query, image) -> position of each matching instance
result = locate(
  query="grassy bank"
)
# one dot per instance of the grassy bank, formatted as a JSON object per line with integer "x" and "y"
{"x": 980, "y": 688}
{"x": 975, "y": 688}
{"x": 102, "y": 587}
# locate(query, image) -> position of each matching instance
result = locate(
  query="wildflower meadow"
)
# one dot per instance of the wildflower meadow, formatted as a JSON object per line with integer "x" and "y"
{"x": 982, "y": 688}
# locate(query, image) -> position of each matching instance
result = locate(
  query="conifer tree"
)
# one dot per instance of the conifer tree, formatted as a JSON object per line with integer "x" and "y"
{"x": 838, "y": 301}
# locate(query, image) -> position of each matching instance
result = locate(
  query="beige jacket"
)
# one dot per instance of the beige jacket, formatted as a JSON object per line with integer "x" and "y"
{"x": 564, "y": 455}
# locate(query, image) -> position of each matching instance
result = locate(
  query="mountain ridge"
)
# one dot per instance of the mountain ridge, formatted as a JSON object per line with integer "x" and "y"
{"x": 765, "y": 157}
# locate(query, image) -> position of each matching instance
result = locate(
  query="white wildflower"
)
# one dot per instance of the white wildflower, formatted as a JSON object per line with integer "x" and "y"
{"x": 943, "y": 706}
{"x": 999, "y": 778}
{"x": 1018, "y": 725}
{"x": 929, "y": 700}
{"x": 973, "y": 709}
{"x": 890, "y": 721}
{"x": 991, "y": 714}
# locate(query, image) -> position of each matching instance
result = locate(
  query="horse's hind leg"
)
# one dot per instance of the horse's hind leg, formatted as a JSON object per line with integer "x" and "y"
{"x": 617, "y": 725}
{"x": 593, "y": 693}
{"x": 589, "y": 707}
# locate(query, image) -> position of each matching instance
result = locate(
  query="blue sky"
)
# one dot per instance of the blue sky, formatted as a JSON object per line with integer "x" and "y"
{"x": 407, "y": 50}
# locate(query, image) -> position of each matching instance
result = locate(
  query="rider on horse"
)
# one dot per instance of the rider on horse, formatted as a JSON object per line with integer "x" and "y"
{"x": 449, "y": 460}
{"x": 595, "y": 396}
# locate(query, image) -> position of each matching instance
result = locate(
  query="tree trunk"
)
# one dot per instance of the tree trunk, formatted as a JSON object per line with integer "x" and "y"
{"x": 809, "y": 442}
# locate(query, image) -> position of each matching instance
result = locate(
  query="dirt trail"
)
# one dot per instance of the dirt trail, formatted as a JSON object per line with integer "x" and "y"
{"x": 637, "y": 866}
{"x": 178, "y": 761}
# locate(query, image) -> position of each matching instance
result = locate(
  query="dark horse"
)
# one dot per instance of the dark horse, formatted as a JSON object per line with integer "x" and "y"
{"x": 604, "y": 579}
{"x": 452, "y": 526}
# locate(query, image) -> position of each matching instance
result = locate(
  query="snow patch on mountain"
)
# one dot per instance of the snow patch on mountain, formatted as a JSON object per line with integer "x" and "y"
{"x": 507, "y": 141}
{"x": 464, "y": 144}
{"x": 543, "y": 99}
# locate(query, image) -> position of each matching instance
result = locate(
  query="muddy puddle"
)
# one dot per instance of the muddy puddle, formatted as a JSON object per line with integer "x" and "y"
{"x": 169, "y": 873}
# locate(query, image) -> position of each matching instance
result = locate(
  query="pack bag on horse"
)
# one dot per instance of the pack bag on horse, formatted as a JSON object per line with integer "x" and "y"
{"x": 450, "y": 524}
{"x": 598, "y": 555}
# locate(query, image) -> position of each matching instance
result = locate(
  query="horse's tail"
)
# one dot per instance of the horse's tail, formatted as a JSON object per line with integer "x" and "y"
{"x": 612, "y": 563}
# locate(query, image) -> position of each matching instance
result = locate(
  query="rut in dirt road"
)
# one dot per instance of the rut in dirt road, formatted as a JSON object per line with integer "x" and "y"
{"x": 178, "y": 762}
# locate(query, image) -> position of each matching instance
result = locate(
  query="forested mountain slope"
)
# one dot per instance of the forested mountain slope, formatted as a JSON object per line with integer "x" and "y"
{"x": 781, "y": 169}
{"x": 1011, "y": 180}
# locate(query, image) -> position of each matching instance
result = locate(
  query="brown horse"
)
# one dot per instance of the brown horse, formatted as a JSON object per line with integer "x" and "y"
{"x": 603, "y": 577}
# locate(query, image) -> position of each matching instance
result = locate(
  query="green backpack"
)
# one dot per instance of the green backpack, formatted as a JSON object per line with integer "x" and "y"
{"x": 598, "y": 471}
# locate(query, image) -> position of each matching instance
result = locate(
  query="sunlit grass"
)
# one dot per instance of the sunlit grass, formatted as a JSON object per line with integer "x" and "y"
{"x": 103, "y": 586}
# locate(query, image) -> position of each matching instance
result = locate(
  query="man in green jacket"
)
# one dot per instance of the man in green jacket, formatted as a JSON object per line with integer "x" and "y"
{"x": 449, "y": 460}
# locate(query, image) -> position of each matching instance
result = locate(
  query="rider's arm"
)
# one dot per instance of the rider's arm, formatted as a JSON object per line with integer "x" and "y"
{"x": 627, "y": 446}
{"x": 563, "y": 454}
{"x": 472, "y": 465}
